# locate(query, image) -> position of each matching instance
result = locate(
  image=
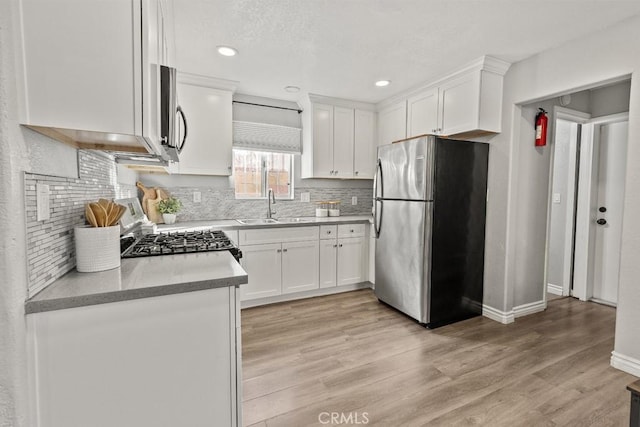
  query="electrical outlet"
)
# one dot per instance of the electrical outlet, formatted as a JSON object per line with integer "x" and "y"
{"x": 354, "y": 200}
{"x": 305, "y": 197}
{"x": 42, "y": 202}
{"x": 197, "y": 197}
{"x": 556, "y": 197}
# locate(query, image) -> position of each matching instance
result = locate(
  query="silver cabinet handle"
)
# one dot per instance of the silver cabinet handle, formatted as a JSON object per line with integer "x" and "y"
{"x": 356, "y": 172}
{"x": 328, "y": 231}
{"x": 340, "y": 245}
{"x": 335, "y": 246}
{"x": 279, "y": 250}
{"x": 284, "y": 250}
{"x": 351, "y": 231}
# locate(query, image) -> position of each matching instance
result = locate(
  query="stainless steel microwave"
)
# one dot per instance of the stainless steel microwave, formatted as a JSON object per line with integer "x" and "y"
{"x": 173, "y": 133}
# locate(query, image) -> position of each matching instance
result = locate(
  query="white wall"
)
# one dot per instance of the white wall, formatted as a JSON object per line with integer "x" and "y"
{"x": 582, "y": 63}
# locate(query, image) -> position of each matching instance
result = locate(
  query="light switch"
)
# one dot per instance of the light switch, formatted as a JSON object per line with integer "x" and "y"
{"x": 197, "y": 197}
{"x": 354, "y": 200}
{"x": 42, "y": 202}
{"x": 305, "y": 197}
{"x": 556, "y": 197}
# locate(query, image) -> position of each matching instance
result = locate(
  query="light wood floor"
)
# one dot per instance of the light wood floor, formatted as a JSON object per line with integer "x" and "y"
{"x": 349, "y": 354}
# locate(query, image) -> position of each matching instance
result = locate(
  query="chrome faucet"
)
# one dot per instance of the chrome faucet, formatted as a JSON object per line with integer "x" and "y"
{"x": 270, "y": 196}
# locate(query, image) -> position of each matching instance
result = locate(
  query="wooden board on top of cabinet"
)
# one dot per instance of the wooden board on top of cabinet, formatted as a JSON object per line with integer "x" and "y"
{"x": 208, "y": 110}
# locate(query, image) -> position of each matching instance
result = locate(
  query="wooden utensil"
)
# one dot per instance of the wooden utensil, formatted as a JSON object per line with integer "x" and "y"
{"x": 100, "y": 213}
{"x": 89, "y": 216}
{"x": 105, "y": 204}
{"x": 112, "y": 211}
{"x": 120, "y": 210}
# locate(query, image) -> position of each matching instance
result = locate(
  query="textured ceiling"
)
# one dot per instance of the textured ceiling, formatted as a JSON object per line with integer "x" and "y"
{"x": 340, "y": 47}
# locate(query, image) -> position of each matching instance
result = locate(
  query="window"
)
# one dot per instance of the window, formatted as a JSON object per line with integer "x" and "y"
{"x": 255, "y": 172}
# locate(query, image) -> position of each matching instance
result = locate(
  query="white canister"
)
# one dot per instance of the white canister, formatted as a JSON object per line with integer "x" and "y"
{"x": 334, "y": 212}
{"x": 322, "y": 212}
{"x": 97, "y": 248}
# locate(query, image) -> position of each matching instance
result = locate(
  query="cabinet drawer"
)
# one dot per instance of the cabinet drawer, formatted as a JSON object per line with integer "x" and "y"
{"x": 328, "y": 232}
{"x": 351, "y": 230}
{"x": 277, "y": 235}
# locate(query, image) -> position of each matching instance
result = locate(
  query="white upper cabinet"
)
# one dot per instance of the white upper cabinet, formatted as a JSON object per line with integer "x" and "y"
{"x": 465, "y": 104}
{"x": 322, "y": 140}
{"x": 91, "y": 73}
{"x": 343, "y": 137}
{"x": 364, "y": 144}
{"x": 392, "y": 123}
{"x": 208, "y": 110}
{"x": 338, "y": 139}
{"x": 422, "y": 113}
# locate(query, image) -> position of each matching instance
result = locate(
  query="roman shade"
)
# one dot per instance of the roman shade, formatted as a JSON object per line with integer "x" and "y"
{"x": 266, "y": 137}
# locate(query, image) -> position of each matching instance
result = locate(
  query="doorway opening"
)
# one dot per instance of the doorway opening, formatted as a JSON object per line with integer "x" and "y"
{"x": 586, "y": 198}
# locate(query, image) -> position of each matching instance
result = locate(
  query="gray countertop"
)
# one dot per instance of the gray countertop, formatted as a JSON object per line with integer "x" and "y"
{"x": 232, "y": 224}
{"x": 161, "y": 275}
{"x": 140, "y": 278}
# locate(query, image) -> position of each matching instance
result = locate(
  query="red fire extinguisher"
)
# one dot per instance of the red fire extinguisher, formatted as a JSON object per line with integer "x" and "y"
{"x": 541, "y": 128}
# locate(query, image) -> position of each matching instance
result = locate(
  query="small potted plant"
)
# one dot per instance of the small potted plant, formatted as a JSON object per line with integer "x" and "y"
{"x": 168, "y": 208}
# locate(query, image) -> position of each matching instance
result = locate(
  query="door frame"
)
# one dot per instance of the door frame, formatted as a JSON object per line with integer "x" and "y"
{"x": 587, "y": 193}
{"x": 578, "y": 117}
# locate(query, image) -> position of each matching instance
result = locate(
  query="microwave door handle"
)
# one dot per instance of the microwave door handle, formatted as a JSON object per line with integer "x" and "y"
{"x": 184, "y": 121}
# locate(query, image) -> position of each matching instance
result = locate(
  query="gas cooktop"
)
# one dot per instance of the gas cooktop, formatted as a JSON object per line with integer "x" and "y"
{"x": 178, "y": 243}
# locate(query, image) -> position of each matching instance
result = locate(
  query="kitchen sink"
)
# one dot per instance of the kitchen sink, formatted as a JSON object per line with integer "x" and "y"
{"x": 286, "y": 220}
{"x": 257, "y": 221}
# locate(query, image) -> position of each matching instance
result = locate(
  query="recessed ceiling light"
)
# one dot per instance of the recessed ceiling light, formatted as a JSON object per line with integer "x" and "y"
{"x": 292, "y": 89}
{"x": 383, "y": 83}
{"x": 227, "y": 51}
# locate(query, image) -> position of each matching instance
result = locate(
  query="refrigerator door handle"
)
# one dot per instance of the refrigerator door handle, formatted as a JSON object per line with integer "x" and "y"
{"x": 378, "y": 180}
{"x": 377, "y": 217}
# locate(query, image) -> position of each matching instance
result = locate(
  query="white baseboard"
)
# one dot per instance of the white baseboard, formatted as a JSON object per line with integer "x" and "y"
{"x": 530, "y": 308}
{"x": 503, "y": 317}
{"x": 307, "y": 294}
{"x": 625, "y": 363}
{"x": 554, "y": 289}
{"x": 507, "y": 317}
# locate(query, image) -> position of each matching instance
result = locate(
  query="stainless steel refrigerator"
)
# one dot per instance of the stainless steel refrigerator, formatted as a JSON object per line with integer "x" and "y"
{"x": 429, "y": 218}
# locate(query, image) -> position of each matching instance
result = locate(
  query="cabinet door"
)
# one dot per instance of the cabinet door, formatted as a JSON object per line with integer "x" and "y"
{"x": 322, "y": 141}
{"x": 343, "y": 134}
{"x": 300, "y": 266}
{"x": 208, "y": 148}
{"x": 392, "y": 123}
{"x": 422, "y": 113}
{"x": 459, "y": 103}
{"x": 328, "y": 263}
{"x": 82, "y": 65}
{"x": 364, "y": 144}
{"x": 351, "y": 255}
{"x": 263, "y": 265}
{"x": 74, "y": 373}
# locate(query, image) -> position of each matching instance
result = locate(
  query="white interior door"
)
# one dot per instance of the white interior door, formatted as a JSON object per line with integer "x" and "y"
{"x": 608, "y": 210}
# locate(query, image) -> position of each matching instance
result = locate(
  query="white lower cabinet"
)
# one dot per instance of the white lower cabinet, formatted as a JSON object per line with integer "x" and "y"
{"x": 282, "y": 267}
{"x": 264, "y": 267}
{"x": 169, "y": 360}
{"x": 343, "y": 251}
{"x": 351, "y": 255}
{"x": 299, "y": 266}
